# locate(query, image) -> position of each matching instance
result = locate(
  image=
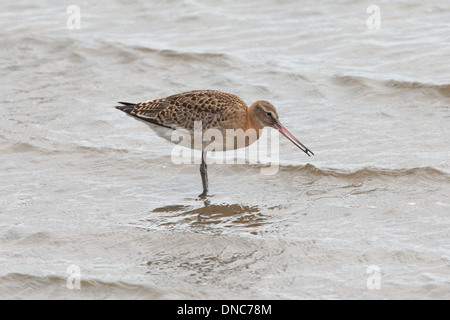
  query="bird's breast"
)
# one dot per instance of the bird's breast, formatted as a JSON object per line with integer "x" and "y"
{"x": 213, "y": 139}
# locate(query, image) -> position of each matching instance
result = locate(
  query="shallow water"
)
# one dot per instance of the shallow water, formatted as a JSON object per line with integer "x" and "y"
{"x": 84, "y": 185}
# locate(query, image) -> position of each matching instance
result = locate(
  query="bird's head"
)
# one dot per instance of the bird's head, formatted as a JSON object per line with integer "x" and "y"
{"x": 263, "y": 114}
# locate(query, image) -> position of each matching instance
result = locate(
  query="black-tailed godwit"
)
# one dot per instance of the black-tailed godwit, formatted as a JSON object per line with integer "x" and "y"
{"x": 214, "y": 110}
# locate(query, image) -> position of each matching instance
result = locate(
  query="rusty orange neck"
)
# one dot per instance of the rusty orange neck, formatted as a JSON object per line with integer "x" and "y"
{"x": 252, "y": 123}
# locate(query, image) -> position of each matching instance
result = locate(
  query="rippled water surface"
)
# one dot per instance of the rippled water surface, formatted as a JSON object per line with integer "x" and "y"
{"x": 84, "y": 185}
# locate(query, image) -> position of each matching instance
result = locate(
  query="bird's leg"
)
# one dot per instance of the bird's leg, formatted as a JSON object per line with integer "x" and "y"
{"x": 204, "y": 173}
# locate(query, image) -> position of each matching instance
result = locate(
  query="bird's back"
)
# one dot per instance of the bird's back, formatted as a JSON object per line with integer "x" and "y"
{"x": 214, "y": 109}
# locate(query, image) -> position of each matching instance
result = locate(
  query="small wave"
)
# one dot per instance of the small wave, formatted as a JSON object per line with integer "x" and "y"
{"x": 215, "y": 59}
{"x": 351, "y": 80}
{"x": 135, "y": 51}
{"x": 23, "y": 286}
{"x": 443, "y": 89}
{"x": 182, "y": 54}
{"x": 125, "y": 53}
{"x": 366, "y": 85}
{"x": 22, "y": 147}
{"x": 371, "y": 172}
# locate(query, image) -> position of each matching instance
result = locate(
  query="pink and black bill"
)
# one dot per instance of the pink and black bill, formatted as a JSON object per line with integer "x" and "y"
{"x": 293, "y": 139}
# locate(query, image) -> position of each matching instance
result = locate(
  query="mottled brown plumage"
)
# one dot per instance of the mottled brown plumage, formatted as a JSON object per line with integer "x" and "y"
{"x": 214, "y": 108}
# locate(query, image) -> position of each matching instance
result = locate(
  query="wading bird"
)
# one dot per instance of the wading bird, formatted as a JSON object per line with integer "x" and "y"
{"x": 214, "y": 110}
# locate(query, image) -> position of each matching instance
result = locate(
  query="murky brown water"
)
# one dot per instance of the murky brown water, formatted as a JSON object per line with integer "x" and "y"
{"x": 84, "y": 185}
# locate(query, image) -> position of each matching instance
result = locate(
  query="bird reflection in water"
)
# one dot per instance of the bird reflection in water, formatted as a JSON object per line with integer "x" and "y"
{"x": 213, "y": 215}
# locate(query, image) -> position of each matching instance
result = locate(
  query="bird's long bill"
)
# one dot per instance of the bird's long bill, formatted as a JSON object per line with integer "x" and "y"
{"x": 293, "y": 139}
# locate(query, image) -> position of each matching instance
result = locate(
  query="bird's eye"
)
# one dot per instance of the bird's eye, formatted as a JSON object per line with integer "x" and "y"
{"x": 269, "y": 114}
